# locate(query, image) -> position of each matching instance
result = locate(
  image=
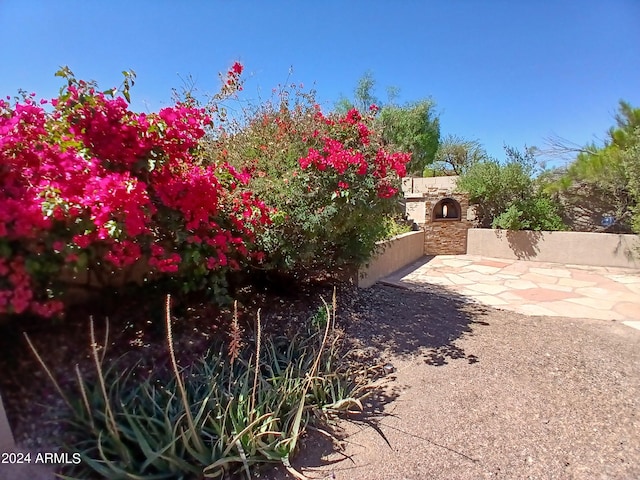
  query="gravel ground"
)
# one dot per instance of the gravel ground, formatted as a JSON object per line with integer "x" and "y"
{"x": 476, "y": 392}
{"x": 481, "y": 393}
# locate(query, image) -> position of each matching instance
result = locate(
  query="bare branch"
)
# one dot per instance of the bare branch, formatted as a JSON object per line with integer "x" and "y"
{"x": 561, "y": 148}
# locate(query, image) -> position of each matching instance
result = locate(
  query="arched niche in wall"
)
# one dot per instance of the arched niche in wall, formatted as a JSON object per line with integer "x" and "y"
{"x": 446, "y": 209}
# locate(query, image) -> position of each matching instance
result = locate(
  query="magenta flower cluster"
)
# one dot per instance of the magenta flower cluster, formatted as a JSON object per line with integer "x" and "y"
{"x": 87, "y": 183}
{"x": 335, "y": 155}
{"x": 84, "y": 174}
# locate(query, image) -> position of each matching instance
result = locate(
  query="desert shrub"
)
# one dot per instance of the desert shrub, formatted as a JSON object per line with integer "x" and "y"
{"x": 535, "y": 213}
{"x": 631, "y": 161}
{"x": 228, "y": 413}
{"x": 507, "y": 195}
{"x": 397, "y": 226}
{"x": 87, "y": 184}
{"x": 328, "y": 178}
{"x": 611, "y": 170}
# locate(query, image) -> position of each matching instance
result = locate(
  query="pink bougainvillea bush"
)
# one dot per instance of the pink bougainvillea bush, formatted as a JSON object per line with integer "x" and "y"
{"x": 85, "y": 183}
{"x": 328, "y": 176}
{"x": 89, "y": 186}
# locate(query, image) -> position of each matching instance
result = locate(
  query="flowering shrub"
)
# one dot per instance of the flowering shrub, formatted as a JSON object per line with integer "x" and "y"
{"x": 328, "y": 177}
{"x": 87, "y": 183}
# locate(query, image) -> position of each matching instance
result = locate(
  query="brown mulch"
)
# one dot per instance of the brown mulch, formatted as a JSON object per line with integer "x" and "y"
{"x": 476, "y": 392}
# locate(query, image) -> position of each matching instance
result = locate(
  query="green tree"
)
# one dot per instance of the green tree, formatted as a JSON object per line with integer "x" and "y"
{"x": 363, "y": 96}
{"x": 611, "y": 169}
{"x": 630, "y": 158}
{"x": 413, "y": 127}
{"x": 455, "y": 155}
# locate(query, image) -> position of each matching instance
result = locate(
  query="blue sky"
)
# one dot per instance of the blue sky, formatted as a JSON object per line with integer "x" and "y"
{"x": 500, "y": 71}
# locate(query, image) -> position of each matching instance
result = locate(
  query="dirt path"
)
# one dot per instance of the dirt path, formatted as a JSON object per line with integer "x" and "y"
{"x": 482, "y": 393}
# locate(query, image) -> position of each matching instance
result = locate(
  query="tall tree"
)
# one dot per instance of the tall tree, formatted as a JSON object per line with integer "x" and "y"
{"x": 363, "y": 95}
{"x": 412, "y": 127}
{"x": 415, "y": 128}
{"x": 456, "y": 154}
{"x": 507, "y": 195}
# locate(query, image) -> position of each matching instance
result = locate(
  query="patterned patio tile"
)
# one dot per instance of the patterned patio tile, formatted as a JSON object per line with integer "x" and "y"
{"x": 554, "y": 272}
{"x": 477, "y": 277}
{"x": 552, "y": 286}
{"x": 572, "y": 282}
{"x": 597, "y": 292}
{"x": 537, "y": 278}
{"x": 520, "y": 284}
{"x": 489, "y": 289}
{"x": 483, "y": 269}
{"x": 629, "y": 310}
{"x": 573, "y": 310}
{"x": 634, "y": 279}
{"x": 598, "y": 303}
{"x": 492, "y": 263}
{"x": 459, "y": 280}
{"x": 456, "y": 262}
{"x": 491, "y": 300}
{"x": 543, "y": 295}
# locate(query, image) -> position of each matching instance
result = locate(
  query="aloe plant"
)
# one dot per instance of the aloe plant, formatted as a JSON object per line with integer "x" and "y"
{"x": 215, "y": 417}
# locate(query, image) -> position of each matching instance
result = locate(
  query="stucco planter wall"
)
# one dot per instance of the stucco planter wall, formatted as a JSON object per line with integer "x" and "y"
{"x": 570, "y": 248}
{"x": 392, "y": 255}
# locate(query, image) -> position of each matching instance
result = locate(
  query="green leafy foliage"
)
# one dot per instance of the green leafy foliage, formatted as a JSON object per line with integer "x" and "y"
{"x": 414, "y": 128}
{"x": 507, "y": 195}
{"x": 323, "y": 217}
{"x": 612, "y": 170}
{"x": 363, "y": 95}
{"x": 396, "y": 226}
{"x": 220, "y": 416}
{"x": 535, "y": 213}
{"x": 630, "y": 158}
{"x": 455, "y": 155}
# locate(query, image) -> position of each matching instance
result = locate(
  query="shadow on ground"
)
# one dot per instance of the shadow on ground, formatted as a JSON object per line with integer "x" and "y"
{"x": 405, "y": 322}
{"x": 382, "y": 321}
{"x": 387, "y": 321}
{"x": 484, "y": 393}
{"x": 317, "y": 445}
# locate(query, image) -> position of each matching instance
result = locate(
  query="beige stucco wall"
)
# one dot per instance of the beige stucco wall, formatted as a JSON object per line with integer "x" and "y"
{"x": 425, "y": 184}
{"x": 415, "y": 207}
{"x": 393, "y": 255}
{"x": 571, "y": 248}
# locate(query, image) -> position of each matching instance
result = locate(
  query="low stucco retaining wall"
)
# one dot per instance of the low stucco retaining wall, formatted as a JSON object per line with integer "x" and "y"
{"x": 393, "y": 254}
{"x": 570, "y": 248}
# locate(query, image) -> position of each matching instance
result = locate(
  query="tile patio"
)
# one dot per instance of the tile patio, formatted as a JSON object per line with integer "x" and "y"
{"x": 532, "y": 288}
